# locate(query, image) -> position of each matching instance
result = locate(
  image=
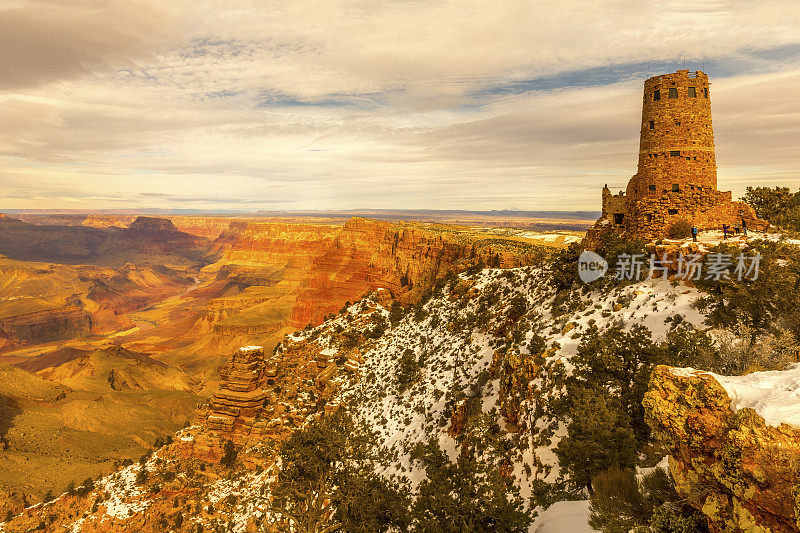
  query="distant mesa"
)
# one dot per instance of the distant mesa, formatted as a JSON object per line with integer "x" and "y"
{"x": 153, "y": 225}
{"x": 676, "y": 181}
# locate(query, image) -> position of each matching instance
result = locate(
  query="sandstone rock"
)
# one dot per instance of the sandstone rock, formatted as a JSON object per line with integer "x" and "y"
{"x": 68, "y": 322}
{"x": 741, "y": 473}
{"x": 152, "y": 224}
{"x": 233, "y": 409}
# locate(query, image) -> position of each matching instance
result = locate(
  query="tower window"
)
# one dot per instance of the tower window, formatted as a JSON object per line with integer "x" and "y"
{"x": 656, "y": 95}
{"x": 692, "y": 92}
{"x": 649, "y": 217}
{"x": 618, "y": 217}
{"x": 675, "y": 153}
{"x": 705, "y": 92}
{"x": 652, "y": 124}
{"x": 676, "y": 187}
{"x": 673, "y": 92}
{"x": 672, "y": 211}
{"x": 652, "y": 187}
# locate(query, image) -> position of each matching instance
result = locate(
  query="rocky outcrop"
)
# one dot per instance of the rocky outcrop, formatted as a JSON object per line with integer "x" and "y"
{"x": 240, "y": 398}
{"x": 153, "y": 225}
{"x": 68, "y": 322}
{"x": 148, "y": 240}
{"x": 740, "y": 472}
{"x": 208, "y": 226}
{"x": 108, "y": 221}
{"x": 233, "y": 412}
{"x": 264, "y": 397}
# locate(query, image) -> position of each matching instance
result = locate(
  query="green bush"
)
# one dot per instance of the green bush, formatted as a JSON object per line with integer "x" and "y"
{"x": 622, "y": 502}
{"x": 617, "y": 504}
{"x": 229, "y": 455}
{"x": 670, "y": 519}
{"x": 396, "y": 313}
{"x": 408, "y": 370}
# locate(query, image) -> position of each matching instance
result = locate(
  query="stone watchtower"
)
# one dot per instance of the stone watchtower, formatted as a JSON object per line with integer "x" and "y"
{"x": 676, "y": 178}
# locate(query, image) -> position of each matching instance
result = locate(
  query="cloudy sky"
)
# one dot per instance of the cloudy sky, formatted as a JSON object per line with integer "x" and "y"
{"x": 329, "y": 104}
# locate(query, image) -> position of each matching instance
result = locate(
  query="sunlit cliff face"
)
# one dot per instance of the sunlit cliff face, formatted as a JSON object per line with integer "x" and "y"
{"x": 422, "y": 104}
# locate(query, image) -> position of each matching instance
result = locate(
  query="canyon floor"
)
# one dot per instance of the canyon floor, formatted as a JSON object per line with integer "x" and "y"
{"x": 113, "y": 328}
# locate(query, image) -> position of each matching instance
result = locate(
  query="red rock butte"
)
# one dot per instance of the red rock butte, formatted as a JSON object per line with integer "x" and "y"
{"x": 676, "y": 178}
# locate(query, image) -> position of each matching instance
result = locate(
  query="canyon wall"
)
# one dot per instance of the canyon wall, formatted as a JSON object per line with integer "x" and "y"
{"x": 48, "y": 325}
{"x": 740, "y": 472}
{"x": 330, "y": 265}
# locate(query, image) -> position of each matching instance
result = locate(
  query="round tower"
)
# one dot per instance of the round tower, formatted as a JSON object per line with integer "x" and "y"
{"x": 676, "y": 144}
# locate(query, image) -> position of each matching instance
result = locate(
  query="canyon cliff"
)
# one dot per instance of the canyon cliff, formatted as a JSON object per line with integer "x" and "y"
{"x": 331, "y": 265}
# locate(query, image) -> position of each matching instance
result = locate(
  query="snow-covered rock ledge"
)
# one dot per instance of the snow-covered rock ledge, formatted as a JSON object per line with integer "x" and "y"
{"x": 734, "y": 444}
{"x": 774, "y": 395}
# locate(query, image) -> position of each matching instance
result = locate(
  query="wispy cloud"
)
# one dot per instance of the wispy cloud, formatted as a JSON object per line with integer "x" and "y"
{"x": 339, "y": 104}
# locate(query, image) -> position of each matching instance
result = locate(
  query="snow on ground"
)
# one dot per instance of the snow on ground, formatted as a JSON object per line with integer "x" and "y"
{"x": 456, "y": 352}
{"x": 647, "y": 303}
{"x": 124, "y": 495}
{"x": 561, "y": 238}
{"x": 564, "y": 517}
{"x": 773, "y": 395}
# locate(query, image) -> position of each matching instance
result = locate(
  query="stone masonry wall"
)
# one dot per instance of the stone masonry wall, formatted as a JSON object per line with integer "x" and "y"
{"x": 677, "y": 171}
{"x": 676, "y": 143}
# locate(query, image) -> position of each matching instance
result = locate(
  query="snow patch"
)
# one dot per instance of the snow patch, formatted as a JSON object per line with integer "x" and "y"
{"x": 774, "y": 395}
{"x": 564, "y": 517}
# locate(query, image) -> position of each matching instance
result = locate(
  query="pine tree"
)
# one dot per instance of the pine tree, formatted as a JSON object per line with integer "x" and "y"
{"x": 599, "y": 437}
{"x": 141, "y": 476}
{"x": 327, "y": 483}
{"x": 618, "y": 362}
{"x": 465, "y": 495}
{"x": 229, "y": 454}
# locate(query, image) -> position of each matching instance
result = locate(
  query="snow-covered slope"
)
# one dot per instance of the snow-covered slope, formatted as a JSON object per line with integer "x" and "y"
{"x": 474, "y": 339}
{"x": 774, "y": 395}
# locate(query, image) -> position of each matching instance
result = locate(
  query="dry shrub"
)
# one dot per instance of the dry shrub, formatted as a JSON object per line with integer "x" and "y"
{"x": 680, "y": 230}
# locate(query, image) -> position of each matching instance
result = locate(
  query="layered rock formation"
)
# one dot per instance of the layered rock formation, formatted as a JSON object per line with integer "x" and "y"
{"x": 240, "y": 398}
{"x": 234, "y": 409}
{"x": 151, "y": 240}
{"x": 740, "y": 472}
{"x": 265, "y": 397}
{"x": 48, "y": 325}
{"x": 331, "y": 265}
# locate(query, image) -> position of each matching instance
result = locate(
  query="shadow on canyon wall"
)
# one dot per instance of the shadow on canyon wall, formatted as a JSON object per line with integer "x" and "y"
{"x": 9, "y": 408}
